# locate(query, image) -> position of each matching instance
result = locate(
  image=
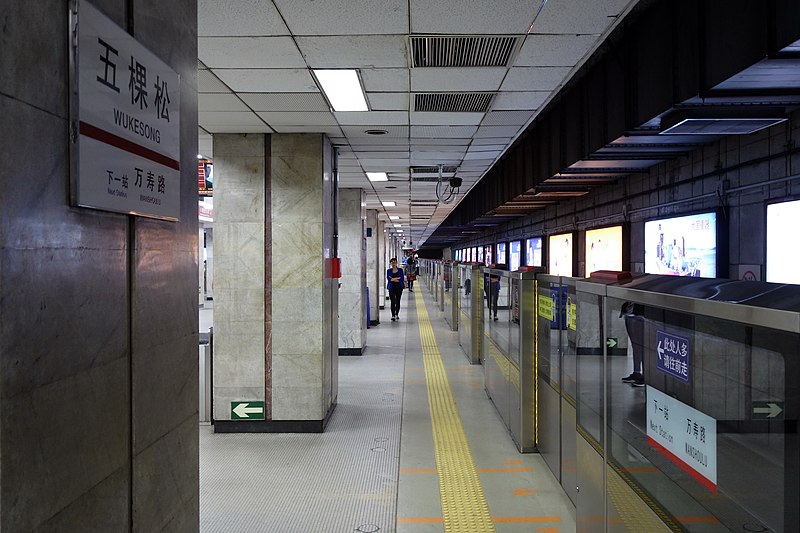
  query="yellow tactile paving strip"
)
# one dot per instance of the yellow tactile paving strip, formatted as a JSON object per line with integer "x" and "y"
{"x": 464, "y": 506}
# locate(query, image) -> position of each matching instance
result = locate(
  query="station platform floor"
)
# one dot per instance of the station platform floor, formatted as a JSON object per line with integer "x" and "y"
{"x": 413, "y": 446}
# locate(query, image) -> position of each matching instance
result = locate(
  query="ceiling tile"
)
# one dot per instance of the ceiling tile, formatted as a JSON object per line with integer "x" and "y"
{"x": 357, "y": 132}
{"x": 353, "y": 118}
{"x": 285, "y": 101}
{"x": 497, "y": 131}
{"x": 222, "y": 128}
{"x": 534, "y": 78}
{"x": 506, "y": 118}
{"x": 345, "y": 17}
{"x": 397, "y": 156}
{"x": 578, "y": 16}
{"x": 481, "y": 155}
{"x": 422, "y": 118}
{"x": 472, "y": 16}
{"x": 240, "y": 18}
{"x": 207, "y": 82}
{"x": 385, "y": 79}
{"x": 387, "y": 101}
{"x": 354, "y": 51}
{"x": 249, "y": 52}
{"x": 220, "y": 102}
{"x": 449, "y": 142}
{"x": 457, "y": 79}
{"x": 487, "y": 147}
{"x": 401, "y": 147}
{"x": 294, "y": 118}
{"x": 268, "y": 80}
{"x": 554, "y": 50}
{"x": 228, "y": 118}
{"x": 331, "y": 131}
{"x": 443, "y": 131}
{"x": 519, "y": 100}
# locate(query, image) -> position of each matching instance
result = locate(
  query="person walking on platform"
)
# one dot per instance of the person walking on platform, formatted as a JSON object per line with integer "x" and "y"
{"x": 491, "y": 288}
{"x": 634, "y": 324}
{"x": 396, "y": 284}
{"x": 411, "y": 272}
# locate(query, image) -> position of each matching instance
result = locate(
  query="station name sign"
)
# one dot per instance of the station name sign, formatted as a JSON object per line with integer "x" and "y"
{"x": 125, "y": 111}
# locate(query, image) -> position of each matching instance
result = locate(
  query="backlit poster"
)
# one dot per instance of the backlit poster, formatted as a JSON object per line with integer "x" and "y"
{"x": 488, "y": 256}
{"x": 603, "y": 249}
{"x": 682, "y": 246}
{"x": 500, "y": 258}
{"x": 560, "y": 254}
{"x": 515, "y": 251}
{"x": 533, "y": 252}
{"x": 474, "y": 255}
{"x": 480, "y": 254}
{"x": 783, "y": 221}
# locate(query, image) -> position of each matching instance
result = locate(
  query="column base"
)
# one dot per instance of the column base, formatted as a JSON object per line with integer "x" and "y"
{"x": 273, "y": 426}
{"x": 351, "y": 351}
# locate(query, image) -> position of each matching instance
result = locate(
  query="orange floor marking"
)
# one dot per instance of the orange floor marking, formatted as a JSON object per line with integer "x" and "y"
{"x": 513, "y": 461}
{"x": 548, "y": 529}
{"x": 526, "y": 519}
{"x": 524, "y": 492}
{"x": 697, "y": 519}
{"x": 503, "y": 470}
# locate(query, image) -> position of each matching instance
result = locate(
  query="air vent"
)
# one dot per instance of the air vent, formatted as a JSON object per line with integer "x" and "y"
{"x": 421, "y": 171}
{"x": 456, "y": 51}
{"x": 453, "y": 102}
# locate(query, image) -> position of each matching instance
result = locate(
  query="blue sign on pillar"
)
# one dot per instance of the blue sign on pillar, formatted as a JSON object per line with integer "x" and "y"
{"x": 673, "y": 355}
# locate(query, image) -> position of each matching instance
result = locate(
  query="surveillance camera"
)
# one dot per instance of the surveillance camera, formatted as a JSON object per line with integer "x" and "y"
{"x": 455, "y": 183}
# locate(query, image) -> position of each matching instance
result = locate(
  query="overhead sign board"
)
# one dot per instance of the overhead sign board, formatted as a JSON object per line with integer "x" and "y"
{"x": 125, "y": 111}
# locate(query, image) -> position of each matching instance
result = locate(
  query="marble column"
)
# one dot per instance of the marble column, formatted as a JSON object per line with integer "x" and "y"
{"x": 275, "y": 300}
{"x": 373, "y": 261}
{"x": 382, "y": 264}
{"x": 353, "y": 283}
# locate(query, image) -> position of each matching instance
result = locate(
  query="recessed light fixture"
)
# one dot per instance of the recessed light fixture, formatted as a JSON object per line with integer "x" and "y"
{"x": 376, "y": 132}
{"x": 394, "y": 217}
{"x": 389, "y": 204}
{"x": 343, "y": 89}
{"x": 377, "y": 176}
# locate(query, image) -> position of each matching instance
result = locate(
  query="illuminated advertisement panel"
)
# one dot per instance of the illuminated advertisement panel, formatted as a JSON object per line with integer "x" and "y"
{"x": 515, "y": 253}
{"x": 533, "y": 252}
{"x": 480, "y": 254}
{"x": 603, "y": 249}
{"x": 488, "y": 255}
{"x": 783, "y": 221}
{"x": 682, "y": 246}
{"x": 500, "y": 257}
{"x": 474, "y": 255}
{"x": 560, "y": 254}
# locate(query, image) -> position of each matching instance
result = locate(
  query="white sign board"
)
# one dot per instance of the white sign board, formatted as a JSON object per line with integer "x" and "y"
{"x": 128, "y": 122}
{"x": 684, "y": 435}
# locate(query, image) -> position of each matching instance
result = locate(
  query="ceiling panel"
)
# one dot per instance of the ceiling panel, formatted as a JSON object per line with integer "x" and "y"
{"x": 472, "y": 16}
{"x": 482, "y": 155}
{"x": 578, "y": 16}
{"x": 487, "y": 147}
{"x": 492, "y": 140}
{"x": 295, "y": 118}
{"x": 426, "y": 143}
{"x": 329, "y": 130}
{"x": 496, "y": 131}
{"x": 554, "y": 50}
{"x": 220, "y": 102}
{"x": 354, "y": 51}
{"x": 457, "y": 79}
{"x": 388, "y": 101}
{"x": 207, "y": 82}
{"x": 355, "y": 118}
{"x": 340, "y": 17}
{"x": 285, "y": 101}
{"x": 385, "y": 79}
{"x": 507, "y": 118}
{"x": 534, "y": 78}
{"x": 240, "y": 18}
{"x": 401, "y": 155}
{"x": 228, "y": 118}
{"x": 420, "y": 118}
{"x": 268, "y": 80}
{"x": 249, "y": 52}
{"x": 443, "y": 131}
{"x": 237, "y": 128}
{"x": 519, "y": 100}
{"x": 357, "y": 132}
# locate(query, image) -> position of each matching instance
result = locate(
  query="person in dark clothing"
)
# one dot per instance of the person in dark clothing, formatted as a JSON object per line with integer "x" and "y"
{"x": 411, "y": 269}
{"x": 634, "y": 325}
{"x": 395, "y": 283}
{"x": 491, "y": 288}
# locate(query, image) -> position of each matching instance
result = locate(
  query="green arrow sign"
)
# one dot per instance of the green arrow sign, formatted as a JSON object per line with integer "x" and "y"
{"x": 611, "y": 342}
{"x": 247, "y": 410}
{"x": 763, "y": 410}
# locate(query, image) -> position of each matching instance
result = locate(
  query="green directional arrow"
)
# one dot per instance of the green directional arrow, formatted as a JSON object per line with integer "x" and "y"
{"x": 611, "y": 342}
{"x": 767, "y": 410}
{"x": 247, "y": 410}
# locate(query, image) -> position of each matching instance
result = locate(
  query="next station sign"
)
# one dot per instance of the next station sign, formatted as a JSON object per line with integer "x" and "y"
{"x": 128, "y": 123}
{"x": 673, "y": 355}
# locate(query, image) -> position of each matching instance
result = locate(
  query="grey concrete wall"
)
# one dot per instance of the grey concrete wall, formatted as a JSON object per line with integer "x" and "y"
{"x": 98, "y": 311}
{"x": 749, "y": 170}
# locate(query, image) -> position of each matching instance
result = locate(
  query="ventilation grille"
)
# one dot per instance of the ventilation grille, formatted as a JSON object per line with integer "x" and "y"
{"x": 462, "y": 51}
{"x": 431, "y": 174}
{"x": 453, "y": 102}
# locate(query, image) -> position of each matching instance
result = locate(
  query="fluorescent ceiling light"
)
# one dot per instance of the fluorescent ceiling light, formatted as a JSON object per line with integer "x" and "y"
{"x": 377, "y": 176}
{"x": 389, "y": 204}
{"x": 394, "y": 217}
{"x": 398, "y": 225}
{"x": 343, "y": 89}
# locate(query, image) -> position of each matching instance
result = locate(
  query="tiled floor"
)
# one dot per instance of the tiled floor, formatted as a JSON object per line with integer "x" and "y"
{"x": 374, "y": 468}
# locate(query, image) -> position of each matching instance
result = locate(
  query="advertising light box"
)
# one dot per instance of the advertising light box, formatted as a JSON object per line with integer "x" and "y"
{"x": 533, "y": 252}
{"x": 473, "y": 256}
{"x": 603, "y": 249}
{"x": 783, "y": 220}
{"x": 682, "y": 246}
{"x": 515, "y": 251}
{"x": 480, "y": 254}
{"x": 560, "y": 254}
{"x": 488, "y": 256}
{"x": 500, "y": 258}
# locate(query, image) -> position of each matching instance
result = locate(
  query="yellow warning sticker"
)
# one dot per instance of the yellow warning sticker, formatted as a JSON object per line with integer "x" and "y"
{"x": 546, "y": 307}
